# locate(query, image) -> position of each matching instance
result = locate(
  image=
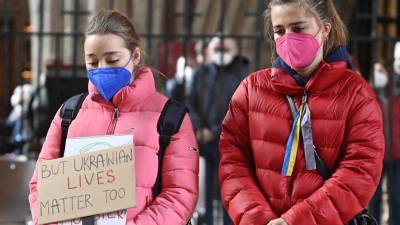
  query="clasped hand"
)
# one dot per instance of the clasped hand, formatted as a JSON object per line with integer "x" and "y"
{"x": 278, "y": 221}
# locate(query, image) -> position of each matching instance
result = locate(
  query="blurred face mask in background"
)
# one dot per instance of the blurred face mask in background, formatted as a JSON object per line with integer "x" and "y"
{"x": 380, "y": 77}
{"x": 396, "y": 66}
{"x": 222, "y": 59}
{"x": 396, "y": 56}
{"x": 380, "y": 80}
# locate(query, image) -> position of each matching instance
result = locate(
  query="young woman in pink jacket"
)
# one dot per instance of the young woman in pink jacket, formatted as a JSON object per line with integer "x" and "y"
{"x": 123, "y": 99}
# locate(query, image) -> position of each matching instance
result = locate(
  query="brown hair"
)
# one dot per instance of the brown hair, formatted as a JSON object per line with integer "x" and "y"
{"x": 323, "y": 10}
{"x": 113, "y": 22}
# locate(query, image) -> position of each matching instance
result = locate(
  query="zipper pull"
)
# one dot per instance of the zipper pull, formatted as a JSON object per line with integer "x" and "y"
{"x": 305, "y": 97}
{"x": 116, "y": 113}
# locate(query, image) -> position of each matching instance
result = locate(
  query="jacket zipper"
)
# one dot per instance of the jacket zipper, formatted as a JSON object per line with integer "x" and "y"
{"x": 111, "y": 127}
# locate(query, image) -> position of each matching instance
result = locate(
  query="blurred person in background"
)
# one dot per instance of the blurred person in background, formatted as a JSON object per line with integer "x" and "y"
{"x": 394, "y": 157}
{"x": 212, "y": 88}
{"x": 178, "y": 87}
{"x": 379, "y": 81}
{"x": 396, "y": 68}
{"x": 284, "y": 122}
{"x": 201, "y": 49}
{"x": 38, "y": 115}
{"x": 17, "y": 121}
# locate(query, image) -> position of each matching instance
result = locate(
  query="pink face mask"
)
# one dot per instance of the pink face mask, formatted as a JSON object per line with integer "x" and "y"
{"x": 298, "y": 50}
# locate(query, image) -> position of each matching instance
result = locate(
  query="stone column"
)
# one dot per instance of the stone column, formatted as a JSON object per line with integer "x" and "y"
{"x": 68, "y": 28}
{"x": 39, "y": 62}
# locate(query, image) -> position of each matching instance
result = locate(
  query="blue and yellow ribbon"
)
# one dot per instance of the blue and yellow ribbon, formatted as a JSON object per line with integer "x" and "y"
{"x": 293, "y": 143}
{"x": 301, "y": 127}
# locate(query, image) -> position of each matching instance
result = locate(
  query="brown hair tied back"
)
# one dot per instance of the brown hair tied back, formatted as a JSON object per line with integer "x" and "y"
{"x": 112, "y": 22}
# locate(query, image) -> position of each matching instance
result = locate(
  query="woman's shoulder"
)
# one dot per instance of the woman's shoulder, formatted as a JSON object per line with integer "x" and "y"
{"x": 356, "y": 84}
{"x": 154, "y": 103}
{"x": 255, "y": 86}
{"x": 157, "y": 103}
{"x": 259, "y": 79}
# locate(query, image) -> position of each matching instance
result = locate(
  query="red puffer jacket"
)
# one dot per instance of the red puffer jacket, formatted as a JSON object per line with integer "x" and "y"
{"x": 348, "y": 134}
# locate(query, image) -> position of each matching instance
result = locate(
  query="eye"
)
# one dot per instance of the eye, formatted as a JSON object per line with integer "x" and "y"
{"x": 92, "y": 64}
{"x": 298, "y": 29}
{"x": 112, "y": 61}
{"x": 279, "y": 32}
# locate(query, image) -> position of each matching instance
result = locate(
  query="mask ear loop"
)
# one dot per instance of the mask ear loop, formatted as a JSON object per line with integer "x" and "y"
{"x": 319, "y": 30}
{"x": 133, "y": 69}
{"x": 130, "y": 58}
{"x": 324, "y": 40}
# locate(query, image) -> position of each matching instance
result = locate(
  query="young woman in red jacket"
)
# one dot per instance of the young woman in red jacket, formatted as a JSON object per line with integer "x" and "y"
{"x": 268, "y": 172}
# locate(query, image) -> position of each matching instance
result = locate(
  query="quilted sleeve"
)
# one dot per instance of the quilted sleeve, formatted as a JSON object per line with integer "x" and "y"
{"x": 240, "y": 192}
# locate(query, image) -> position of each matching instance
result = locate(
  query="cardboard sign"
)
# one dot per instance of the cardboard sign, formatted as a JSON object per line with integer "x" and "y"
{"x": 79, "y": 145}
{"x": 86, "y": 184}
{"x": 110, "y": 218}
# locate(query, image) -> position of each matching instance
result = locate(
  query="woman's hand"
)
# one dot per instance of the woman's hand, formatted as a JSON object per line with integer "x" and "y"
{"x": 278, "y": 221}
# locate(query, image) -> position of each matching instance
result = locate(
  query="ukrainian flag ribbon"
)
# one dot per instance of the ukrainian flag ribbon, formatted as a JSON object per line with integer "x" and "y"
{"x": 308, "y": 141}
{"x": 301, "y": 127}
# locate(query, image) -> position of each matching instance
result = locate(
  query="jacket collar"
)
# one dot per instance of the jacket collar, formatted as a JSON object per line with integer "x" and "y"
{"x": 142, "y": 87}
{"x": 324, "y": 77}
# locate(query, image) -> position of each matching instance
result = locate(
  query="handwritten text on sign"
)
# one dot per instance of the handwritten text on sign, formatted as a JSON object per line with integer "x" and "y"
{"x": 86, "y": 184}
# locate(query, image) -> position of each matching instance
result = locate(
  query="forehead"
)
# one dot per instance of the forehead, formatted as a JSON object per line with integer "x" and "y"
{"x": 100, "y": 43}
{"x": 286, "y": 14}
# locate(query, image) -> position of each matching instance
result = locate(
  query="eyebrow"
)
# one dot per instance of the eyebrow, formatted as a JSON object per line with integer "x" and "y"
{"x": 107, "y": 53}
{"x": 291, "y": 24}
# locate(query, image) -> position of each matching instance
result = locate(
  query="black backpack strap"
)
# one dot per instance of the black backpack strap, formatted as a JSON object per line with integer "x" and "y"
{"x": 170, "y": 121}
{"x": 69, "y": 111}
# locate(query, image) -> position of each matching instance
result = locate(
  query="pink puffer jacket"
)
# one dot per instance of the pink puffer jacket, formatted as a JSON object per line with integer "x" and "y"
{"x": 139, "y": 107}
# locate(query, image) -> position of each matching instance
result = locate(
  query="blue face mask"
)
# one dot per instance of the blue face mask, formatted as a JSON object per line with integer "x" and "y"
{"x": 108, "y": 81}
